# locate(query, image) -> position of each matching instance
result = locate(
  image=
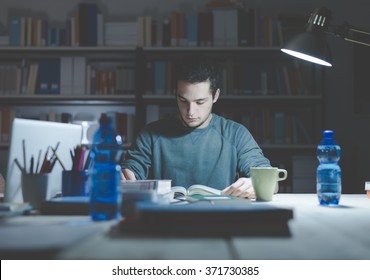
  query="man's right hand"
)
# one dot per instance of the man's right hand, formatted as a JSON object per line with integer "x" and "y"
{"x": 127, "y": 174}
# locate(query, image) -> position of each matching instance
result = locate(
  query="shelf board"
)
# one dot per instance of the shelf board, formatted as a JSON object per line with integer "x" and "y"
{"x": 98, "y": 53}
{"x": 37, "y": 99}
{"x": 153, "y": 97}
{"x": 11, "y": 49}
{"x": 271, "y": 97}
{"x": 288, "y": 146}
{"x": 129, "y": 47}
{"x": 207, "y": 49}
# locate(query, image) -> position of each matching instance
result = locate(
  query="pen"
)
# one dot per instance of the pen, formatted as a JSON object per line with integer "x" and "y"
{"x": 81, "y": 159}
{"x": 87, "y": 162}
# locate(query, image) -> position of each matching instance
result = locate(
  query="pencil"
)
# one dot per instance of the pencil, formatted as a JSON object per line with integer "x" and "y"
{"x": 44, "y": 162}
{"x": 19, "y": 165}
{"x": 24, "y": 154}
{"x": 57, "y": 157}
{"x": 38, "y": 162}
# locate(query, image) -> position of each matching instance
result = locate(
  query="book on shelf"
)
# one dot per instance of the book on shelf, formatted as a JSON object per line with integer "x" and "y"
{"x": 121, "y": 33}
{"x": 144, "y": 31}
{"x": 15, "y": 31}
{"x": 192, "y": 30}
{"x": 88, "y": 24}
{"x": 205, "y": 29}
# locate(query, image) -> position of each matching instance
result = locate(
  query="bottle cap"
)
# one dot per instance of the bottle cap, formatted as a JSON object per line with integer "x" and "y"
{"x": 328, "y": 133}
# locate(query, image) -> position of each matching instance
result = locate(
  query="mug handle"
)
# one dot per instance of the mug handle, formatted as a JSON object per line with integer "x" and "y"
{"x": 284, "y": 176}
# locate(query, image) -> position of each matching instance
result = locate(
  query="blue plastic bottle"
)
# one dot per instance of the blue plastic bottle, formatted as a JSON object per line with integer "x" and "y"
{"x": 104, "y": 178}
{"x": 329, "y": 174}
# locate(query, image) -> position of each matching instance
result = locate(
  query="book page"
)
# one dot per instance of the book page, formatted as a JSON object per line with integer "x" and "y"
{"x": 204, "y": 190}
{"x": 179, "y": 190}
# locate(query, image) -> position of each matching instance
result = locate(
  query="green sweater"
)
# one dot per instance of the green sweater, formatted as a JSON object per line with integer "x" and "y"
{"x": 214, "y": 156}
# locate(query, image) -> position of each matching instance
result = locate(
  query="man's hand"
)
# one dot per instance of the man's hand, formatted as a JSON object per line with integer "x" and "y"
{"x": 241, "y": 188}
{"x": 127, "y": 174}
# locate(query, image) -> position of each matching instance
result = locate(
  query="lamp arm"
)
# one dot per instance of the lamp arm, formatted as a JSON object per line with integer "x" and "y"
{"x": 351, "y": 34}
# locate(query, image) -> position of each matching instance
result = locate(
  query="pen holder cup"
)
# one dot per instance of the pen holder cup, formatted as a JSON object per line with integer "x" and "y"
{"x": 74, "y": 183}
{"x": 35, "y": 188}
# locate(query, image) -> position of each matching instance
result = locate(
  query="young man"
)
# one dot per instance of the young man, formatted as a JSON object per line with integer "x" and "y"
{"x": 197, "y": 147}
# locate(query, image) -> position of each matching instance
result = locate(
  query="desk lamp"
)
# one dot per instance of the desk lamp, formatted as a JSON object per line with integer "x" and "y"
{"x": 87, "y": 121}
{"x": 311, "y": 45}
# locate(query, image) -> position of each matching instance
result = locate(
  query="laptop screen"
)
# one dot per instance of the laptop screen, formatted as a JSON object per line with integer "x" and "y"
{"x": 31, "y": 138}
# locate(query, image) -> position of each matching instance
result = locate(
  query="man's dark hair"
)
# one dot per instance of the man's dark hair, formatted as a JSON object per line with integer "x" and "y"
{"x": 197, "y": 69}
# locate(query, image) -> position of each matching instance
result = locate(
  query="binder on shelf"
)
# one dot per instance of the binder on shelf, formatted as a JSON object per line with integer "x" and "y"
{"x": 246, "y": 27}
{"x": 42, "y": 84}
{"x": 79, "y": 75}
{"x": 54, "y": 82}
{"x": 231, "y": 27}
{"x": 66, "y": 75}
{"x": 219, "y": 27}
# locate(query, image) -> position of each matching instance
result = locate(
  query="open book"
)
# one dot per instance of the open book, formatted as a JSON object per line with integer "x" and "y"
{"x": 195, "y": 190}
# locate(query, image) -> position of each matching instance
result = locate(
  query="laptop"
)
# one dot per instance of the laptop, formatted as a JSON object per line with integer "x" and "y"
{"x": 36, "y": 136}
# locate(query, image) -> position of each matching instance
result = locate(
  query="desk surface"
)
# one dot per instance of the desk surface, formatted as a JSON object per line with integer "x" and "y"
{"x": 317, "y": 232}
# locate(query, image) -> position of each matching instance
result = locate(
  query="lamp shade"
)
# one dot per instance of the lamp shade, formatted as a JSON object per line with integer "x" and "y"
{"x": 311, "y": 44}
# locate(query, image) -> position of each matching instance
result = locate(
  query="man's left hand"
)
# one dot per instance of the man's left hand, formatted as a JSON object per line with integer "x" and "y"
{"x": 241, "y": 188}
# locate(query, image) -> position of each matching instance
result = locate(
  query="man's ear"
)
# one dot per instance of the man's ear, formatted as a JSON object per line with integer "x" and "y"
{"x": 217, "y": 95}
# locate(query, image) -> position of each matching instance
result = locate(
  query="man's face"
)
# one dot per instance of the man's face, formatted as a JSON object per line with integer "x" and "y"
{"x": 195, "y": 103}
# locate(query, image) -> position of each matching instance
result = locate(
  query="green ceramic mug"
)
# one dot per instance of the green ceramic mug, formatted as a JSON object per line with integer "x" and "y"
{"x": 264, "y": 180}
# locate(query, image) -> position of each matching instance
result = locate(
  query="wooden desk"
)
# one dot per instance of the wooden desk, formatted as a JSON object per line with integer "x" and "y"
{"x": 317, "y": 233}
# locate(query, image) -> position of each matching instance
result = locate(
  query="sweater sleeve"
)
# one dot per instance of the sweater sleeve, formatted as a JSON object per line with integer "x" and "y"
{"x": 249, "y": 153}
{"x": 138, "y": 157}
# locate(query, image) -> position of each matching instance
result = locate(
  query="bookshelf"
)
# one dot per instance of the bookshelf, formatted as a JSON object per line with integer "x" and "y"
{"x": 279, "y": 99}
